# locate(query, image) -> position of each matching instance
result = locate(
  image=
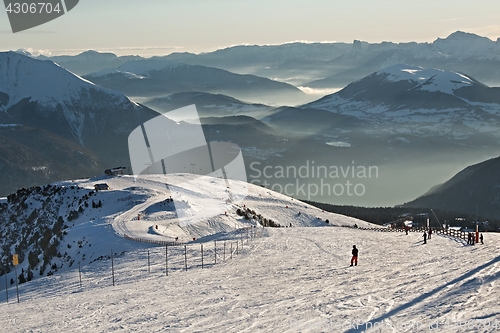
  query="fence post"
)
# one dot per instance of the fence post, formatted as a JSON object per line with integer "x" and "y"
{"x": 17, "y": 285}
{"x": 201, "y": 255}
{"x": 215, "y": 252}
{"x": 6, "y": 289}
{"x": 149, "y": 266}
{"x": 112, "y": 268}
{"x": 80, "y": 274}
{"x": 185, "y": 258}
{"x": 231, "y": 250}
{"x": 166, "y": 259}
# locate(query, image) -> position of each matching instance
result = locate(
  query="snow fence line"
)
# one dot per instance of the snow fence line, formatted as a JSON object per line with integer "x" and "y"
{"x": 459, "y": 234}
{"x": 115, "y": 268}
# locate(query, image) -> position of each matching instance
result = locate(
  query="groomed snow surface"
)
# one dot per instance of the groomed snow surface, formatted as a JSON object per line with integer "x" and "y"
{"x": 287, "y": 280}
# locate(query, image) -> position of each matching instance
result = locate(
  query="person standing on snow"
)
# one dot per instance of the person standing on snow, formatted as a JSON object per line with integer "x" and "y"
{"x": 354, "y": 259}
{"x": 425, "y": 237}
{"x": 430, "y": 233}
{"x": 481, "y": 239}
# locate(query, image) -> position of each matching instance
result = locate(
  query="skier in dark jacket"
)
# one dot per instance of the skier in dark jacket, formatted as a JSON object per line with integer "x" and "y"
{"x": 425, "y": 237}
{"x": 481, "y": 239}
{"x": 354, "y": 259}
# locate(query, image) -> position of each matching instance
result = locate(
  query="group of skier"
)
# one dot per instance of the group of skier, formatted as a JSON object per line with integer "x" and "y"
{"x": 427, "y": 235}
{"x": 471, "y": 240}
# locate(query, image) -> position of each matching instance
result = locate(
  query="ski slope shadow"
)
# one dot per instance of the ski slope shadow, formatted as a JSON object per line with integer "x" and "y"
{"x": 424, "y": 296}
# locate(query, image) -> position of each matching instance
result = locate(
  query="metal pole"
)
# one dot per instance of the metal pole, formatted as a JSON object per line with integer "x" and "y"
{"x": 17, "y": 285}
{"x": 6, "y": 289}
{"x": 202, "y": 255}
{"x": 185, "y": 258}
{"x": 112, "y": 268}
{"x": 80, "y": 274}
{"x": 166, "y": 259}
{"x": 149, "y": 268}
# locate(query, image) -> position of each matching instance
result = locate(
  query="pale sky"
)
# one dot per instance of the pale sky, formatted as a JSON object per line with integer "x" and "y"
{"x": 159, "y": 27}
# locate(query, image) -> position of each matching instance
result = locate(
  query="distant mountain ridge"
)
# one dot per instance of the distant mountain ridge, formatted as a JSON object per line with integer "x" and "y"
{"x": 325, "y": 65}
{"x": 89, "y": 61}
{"x": 154, "y": 78}
{"x": 476, "y": 189}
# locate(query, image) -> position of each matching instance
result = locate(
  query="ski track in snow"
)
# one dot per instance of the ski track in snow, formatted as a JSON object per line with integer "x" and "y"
{"x": 296, "y": 279}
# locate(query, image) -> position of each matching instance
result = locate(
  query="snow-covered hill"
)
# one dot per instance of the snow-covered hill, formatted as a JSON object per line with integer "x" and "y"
{"x": 292, "y": 280}
{"x": 67, "y": 222}
{"x": 45, "y": 82}
{"x": 51, "y": 114}
{"x": 418, "y": 101}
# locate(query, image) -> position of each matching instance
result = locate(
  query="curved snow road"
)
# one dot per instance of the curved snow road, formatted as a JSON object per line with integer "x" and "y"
{"x": 127, "y": 223}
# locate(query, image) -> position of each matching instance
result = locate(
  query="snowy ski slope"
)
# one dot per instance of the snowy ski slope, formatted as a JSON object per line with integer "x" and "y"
{"x": 290, "y": 280}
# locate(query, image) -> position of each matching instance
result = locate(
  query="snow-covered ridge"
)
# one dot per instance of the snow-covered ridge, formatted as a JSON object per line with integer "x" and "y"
{"x": 138, "y": 208}
{"x": 428, "y": 79}
{"x": 43, "y": 81}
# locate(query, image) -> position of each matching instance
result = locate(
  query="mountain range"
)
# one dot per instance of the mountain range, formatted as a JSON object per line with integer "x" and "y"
{"x": 404, "y": 119}
{"x": 325, "y": 65}
{"x": 155, "y": 78}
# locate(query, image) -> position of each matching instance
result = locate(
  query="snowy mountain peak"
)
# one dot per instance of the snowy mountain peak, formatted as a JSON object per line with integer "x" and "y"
{"x": 42, "y": 81}
{"x": 427, "y": 79}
